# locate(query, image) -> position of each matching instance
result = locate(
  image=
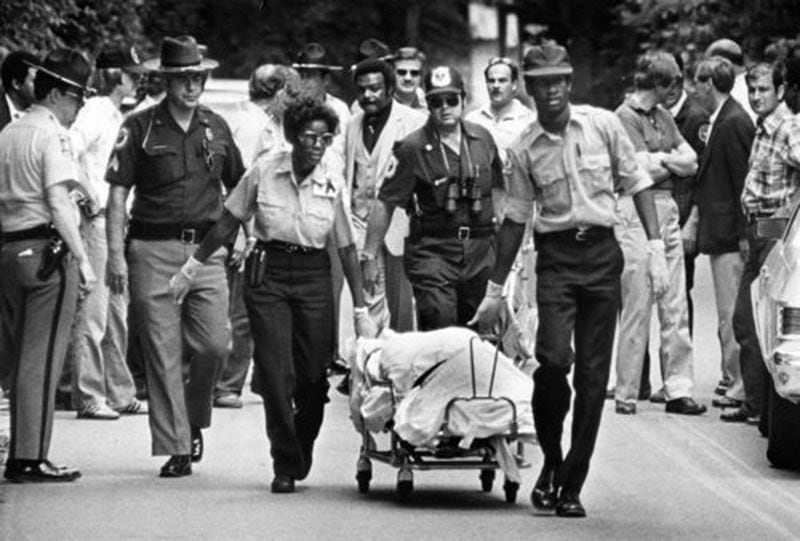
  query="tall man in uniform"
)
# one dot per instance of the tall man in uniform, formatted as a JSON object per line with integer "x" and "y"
{"x": 178, "y": 155}
{"x": 445, "y": 176}
{"x": 39, "y": 286}
{"x": 570, "y": 163}
{"x": 369, "y": 139}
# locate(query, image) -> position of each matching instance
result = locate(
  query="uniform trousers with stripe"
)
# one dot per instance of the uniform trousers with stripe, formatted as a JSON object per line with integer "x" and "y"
{"x": 291, "y": 316}
{"x": 38, "y": 316}
{"x": 197, "y": 330}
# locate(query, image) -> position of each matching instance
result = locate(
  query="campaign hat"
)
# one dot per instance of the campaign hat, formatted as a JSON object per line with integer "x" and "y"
{"x": 549, "y": 58}
{"x": 443, "y": 80}
{"x": 125, "y": 58}
{"x": 181, "y": 54}
{"x": 68, "y": 66}
{"x": 373, "y": 48}
{"x": 313, "y": 56}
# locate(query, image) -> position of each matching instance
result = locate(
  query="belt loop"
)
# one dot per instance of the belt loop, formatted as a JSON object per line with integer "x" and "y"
{"x": 188, "y": 236}
{"x": 463, "y": 232}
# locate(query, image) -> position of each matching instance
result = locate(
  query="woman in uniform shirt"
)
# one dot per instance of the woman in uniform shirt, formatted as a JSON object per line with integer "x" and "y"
{"x": 297, "y": 202}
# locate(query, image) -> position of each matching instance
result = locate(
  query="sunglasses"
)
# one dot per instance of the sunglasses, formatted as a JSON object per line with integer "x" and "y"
{"x": 436, "y": 102}
{"x": 313, "y": 138}
{"x": 404, "y": 73}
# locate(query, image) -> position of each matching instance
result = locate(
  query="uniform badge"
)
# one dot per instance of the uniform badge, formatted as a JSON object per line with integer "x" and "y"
{"x": 209, "y": 134}
{"x": 440, "y": 77}
{"x": 122, "y": 138}
{"x": 703, "y": 132}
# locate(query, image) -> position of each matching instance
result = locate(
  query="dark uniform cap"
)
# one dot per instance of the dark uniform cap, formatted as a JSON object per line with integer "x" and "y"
{"x": 313, "y": 56}
{"x": 180, "y": 55}
{"x": 442, "y": 80}
{"x": 120, "y": 57}
{"x": 373, "y": 48}
{"x": 549, "y": 58}
{"x": 408, "y": 53}
{"x": 68, "y": 66}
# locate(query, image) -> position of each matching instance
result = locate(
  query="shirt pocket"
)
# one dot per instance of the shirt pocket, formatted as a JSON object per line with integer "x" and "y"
{"x": 163, "y": 163}
{"x": 555, "y": 196}
{"x": 595, "y": 171}
{"x": 319, "y": 216}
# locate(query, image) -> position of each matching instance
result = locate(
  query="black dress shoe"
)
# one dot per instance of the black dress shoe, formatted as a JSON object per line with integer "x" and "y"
{"x": 569, "y": 505}
{"x": 177, "y": 466}
{"x": 197, "y": 445}
{"x": 39, "y": 471}
{"x": 624, "y": 408}
{"x": 685, "y": 406}
{"x": 282, "y": 484}
{"x": 543, "y": 495}
{"x": 726, "y": 402}
{"x": 742, "y": 414}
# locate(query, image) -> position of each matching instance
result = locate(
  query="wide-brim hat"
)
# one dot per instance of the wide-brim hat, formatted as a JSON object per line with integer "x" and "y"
{"x": 125, "y": 58}
{"x": 313, "y": 56}
{"x": 180, "y": 55}
{"x": 549, "y": 58}
{"x": 443, "y": 80}
{"x": 68, "y": 66}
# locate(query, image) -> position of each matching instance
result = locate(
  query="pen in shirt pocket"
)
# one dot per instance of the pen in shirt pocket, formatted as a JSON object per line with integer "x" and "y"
{"x": 578, "y": 150}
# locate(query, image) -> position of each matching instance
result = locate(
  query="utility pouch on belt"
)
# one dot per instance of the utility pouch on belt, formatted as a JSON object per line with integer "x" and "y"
{"x": 52, "y": 257}
{"x": 255, "y": 266}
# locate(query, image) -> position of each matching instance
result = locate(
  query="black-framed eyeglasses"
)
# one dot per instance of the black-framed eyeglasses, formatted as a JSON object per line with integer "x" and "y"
{"x": 405, "y": 73}
{"x": 438, "y": 101}
{"x": 314, "y": 138}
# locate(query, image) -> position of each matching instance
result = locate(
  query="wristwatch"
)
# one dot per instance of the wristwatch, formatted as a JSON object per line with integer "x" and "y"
{"x": 366, "y": 256}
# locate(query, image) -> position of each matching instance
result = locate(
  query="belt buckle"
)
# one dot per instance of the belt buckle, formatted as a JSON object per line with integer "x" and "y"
{"x": 188, "y": 236}
{"x": 292, "y": 248}
{"x": 581, "y": 235}
{"x": 463, "y": 232}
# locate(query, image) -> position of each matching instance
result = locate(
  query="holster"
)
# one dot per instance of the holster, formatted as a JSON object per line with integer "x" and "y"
{"x": 52, "y": 257}
{"x": 255, "y": 265}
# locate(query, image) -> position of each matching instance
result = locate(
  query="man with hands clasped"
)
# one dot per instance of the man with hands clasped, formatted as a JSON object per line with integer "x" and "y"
{"x": 570, "y": 163}
{"x": 297, "y": 202}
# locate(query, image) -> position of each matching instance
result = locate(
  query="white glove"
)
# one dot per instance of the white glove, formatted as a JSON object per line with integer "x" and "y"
{"x": 180, "y": 283}
{"x": 657, "y": 267}
{"x": 490, "y": 310}
{"x": 365, "y": 327}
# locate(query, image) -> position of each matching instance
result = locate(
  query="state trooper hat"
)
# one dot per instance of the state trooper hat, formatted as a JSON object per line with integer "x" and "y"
{"x": 180, "y": 55}
{"x": 119, "y": 57}
{"x": 549, "y": 58}
{"x": 373, "y": 48}
{"x": 68, "y": 66}
{"x": 442, "y": 80}
{"x": 313, "y": 56}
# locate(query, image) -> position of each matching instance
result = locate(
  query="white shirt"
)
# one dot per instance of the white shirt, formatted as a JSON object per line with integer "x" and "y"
{"x": 94, "y": 134}
{"x": 506, "y": 125}
{"x": 16, "y": 114}
{"x": 739, "y": 93}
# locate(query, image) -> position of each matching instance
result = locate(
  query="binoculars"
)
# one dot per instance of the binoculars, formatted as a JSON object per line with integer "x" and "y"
{"x": 460, "y": 189}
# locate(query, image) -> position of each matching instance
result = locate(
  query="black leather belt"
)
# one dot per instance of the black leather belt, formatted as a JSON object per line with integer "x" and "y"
{"x": 38, "y": 232}
{"x": 186, "y": 233}
{"x": 289, "y": 248}
{"x": 751, "y": 217}
{"x": 579, "y": 234}
{"x": 460, "y": 232}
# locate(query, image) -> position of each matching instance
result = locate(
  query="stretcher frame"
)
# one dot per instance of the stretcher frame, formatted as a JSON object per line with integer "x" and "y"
{"x": 447, "y": 455}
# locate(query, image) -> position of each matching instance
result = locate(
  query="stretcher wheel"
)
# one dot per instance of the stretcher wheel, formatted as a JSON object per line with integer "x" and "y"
{"x": 363, "y": 478}
{"x": 487, "y": 480}
{"x": 511, "y": 488}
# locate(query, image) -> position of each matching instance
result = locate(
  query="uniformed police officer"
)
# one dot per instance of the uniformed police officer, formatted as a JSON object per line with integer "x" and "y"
{"x": 297, "y": 201}
{"x": 178, "y": 155}
{"x": 42, "y": 258}
{"x": 571, "y": 162}
{"x": 444, "y": 176}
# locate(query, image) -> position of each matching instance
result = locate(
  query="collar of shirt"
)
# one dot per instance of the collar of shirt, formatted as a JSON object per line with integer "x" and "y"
{"x": 512, "y": 111}
{"x": 713, "y": 118}
{"x": 770, "y": 123}
{"x": 317, "y": 175}
{"x": 466, "y": 129}
{"x": 675, "y": 109}
{"x": 16, "y": 114}
{"x": 378, "y": 120}
{"x": 578, "y": 116}
{"x": 164, "y": 117}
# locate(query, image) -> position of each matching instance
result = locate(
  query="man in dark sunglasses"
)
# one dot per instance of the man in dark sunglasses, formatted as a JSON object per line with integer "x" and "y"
{"x": 444, "y": 175}
{"x": 408, "y": 65}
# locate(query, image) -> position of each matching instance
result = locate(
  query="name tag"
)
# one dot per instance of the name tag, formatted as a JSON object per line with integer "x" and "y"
{"x": 327, "y": 191}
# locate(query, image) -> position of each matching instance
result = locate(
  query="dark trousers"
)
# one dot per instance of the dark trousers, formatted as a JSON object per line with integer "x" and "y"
{"x": 291, "y": 316}
{"x": 754, "y": 372}
{"x": 448, "y": 277}
{"x": 578, "y": 292}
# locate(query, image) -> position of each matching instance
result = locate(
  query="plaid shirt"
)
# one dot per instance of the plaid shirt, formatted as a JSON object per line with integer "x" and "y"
{"x": 774, "y": 168}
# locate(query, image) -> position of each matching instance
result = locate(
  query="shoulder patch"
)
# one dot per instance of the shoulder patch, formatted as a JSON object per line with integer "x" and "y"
{"x": 122, "y": 138}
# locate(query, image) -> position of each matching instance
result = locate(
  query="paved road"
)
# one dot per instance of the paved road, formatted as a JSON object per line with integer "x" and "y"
{"x": 654, "y": 476}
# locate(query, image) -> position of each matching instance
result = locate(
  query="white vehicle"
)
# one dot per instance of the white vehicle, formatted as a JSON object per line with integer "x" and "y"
{"x": 776, "y": 304}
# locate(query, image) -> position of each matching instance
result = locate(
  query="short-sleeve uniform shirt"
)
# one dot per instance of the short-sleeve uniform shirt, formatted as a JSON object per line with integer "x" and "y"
{"x": 178, "y": 175}
{"x": 35, "y": 154}
{"x": 285, "y": 208}
{"x": 573, "y": 177}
